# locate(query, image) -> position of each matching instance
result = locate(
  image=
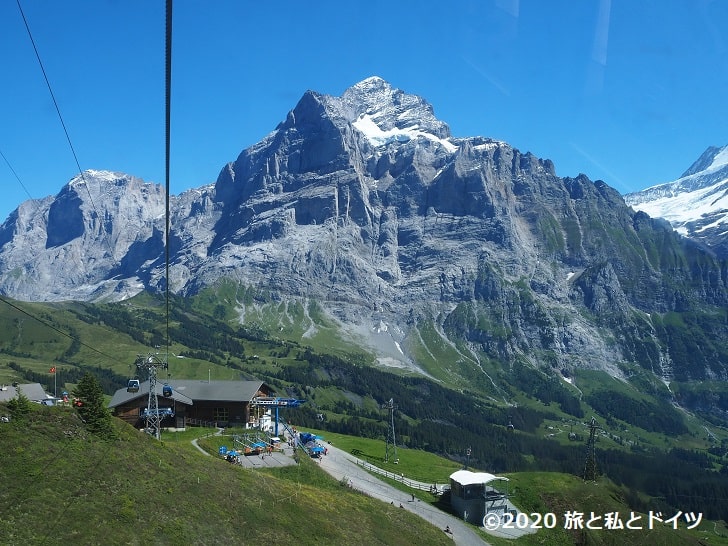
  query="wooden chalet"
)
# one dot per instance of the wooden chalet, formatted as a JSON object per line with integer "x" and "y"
{"x": 193, "y": 402}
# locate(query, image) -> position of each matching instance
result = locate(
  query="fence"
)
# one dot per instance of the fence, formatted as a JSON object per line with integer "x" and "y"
{"x": 199, "y": 422}
{"x": 434, "y": 488}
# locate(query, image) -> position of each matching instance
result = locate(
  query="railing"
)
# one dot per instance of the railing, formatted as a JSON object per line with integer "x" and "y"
{"x": 434, "y": 488}
{"x": 252, "y": 444}
{"x": 294, "y": 438}
{"x": 200, "y": 422}
{"x": 275, "y": 401}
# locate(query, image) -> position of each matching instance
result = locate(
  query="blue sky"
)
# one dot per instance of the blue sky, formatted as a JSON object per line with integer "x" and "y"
{"x": 630, "y": 92}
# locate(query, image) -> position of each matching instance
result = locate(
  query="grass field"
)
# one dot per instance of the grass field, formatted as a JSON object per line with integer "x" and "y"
{"x": 60, "y": 484}
{"x": 62, "y": 338}
{"x": 538, "y": 494}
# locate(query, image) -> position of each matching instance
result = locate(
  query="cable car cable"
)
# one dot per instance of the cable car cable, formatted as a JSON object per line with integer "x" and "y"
{"x": 55, "y": 103}
{"x": 168, "y": 112}
{"x": 15, "y": 175}
{"x": 104, "y": 234}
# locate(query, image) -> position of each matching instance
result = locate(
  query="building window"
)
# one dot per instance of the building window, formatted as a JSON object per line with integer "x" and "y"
{"x": 220, "y": 414}
{"x": 473, "y": 491}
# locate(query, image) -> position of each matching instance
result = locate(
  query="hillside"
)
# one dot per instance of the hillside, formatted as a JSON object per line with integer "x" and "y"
{"x": 550, "y": 492}
{"x": 61, "y": 484}
{"x": 663, "y": 456}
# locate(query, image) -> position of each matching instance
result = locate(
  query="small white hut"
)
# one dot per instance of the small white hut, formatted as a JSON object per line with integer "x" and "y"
{"x": 472, "y": 495}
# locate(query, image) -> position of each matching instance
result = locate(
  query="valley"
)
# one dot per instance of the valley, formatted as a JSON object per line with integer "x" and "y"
{"x": 657, "y": 455}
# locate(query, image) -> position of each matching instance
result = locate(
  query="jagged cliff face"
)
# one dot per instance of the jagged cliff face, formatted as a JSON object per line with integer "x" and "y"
{"x": 101, "y": 226}
{"x": 368, "y": 206}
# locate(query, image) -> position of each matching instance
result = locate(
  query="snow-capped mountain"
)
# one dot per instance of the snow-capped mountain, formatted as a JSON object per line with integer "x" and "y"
{"x": 364, "y": 208}
{"x": 696, "y": 204}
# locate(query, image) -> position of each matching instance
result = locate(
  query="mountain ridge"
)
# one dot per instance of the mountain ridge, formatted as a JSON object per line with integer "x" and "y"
{"x": 696, "y": 204}
{"x": 367, "y": 205}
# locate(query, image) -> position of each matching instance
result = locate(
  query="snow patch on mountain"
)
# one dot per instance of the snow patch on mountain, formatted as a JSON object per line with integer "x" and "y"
{"x": 375, "y": 103}
{"x": 96, "y": 176}
{"x": 696, "y": 205}
{"x": 681, "y": 209}
{"x": 379, "y": 137}
{"x": 720, "y": 159}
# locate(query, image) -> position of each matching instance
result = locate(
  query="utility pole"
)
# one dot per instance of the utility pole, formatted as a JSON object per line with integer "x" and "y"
{"x": 391, "y": 437}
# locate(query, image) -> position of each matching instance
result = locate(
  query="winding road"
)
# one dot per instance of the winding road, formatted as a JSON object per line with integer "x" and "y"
{"x": 342, "y": 466}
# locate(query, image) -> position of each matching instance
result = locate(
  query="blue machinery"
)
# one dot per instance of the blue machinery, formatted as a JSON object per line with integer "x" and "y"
{"x": 277, "y": 403}
{"x": 160, "y": 412}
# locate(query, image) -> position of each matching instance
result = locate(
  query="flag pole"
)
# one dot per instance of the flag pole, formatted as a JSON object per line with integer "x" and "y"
{"x": 55, "y": 381}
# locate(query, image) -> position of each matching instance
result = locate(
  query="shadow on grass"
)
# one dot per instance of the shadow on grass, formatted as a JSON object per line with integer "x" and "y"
{"x": 366, "y": 456}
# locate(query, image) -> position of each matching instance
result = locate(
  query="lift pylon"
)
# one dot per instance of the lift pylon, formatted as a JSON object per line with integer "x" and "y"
{"x": 590, "y": 465}
{"x": 391, "y": 437}
{"x": 151, "y": 363}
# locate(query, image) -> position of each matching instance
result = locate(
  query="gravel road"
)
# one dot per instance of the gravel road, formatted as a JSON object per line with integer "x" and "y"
{"x": 341, "y": 465}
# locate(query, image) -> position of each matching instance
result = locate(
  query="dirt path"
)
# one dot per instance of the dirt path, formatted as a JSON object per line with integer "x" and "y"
{"x": 194, "y": 442}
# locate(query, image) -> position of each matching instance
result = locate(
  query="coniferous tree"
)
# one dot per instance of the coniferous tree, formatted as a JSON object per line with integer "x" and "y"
{"x": 20, "y": 405}
{"x": 90, "y": 405}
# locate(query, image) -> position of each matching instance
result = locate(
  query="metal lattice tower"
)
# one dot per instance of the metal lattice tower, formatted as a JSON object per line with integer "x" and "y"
{"x": 151, "y": 363}
{"x": 391, "y": 437}
{"x": 590, "y": 466}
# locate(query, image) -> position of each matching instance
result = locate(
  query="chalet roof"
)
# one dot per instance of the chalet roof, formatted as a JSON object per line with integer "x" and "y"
{"x": 466, "y": 477}
{"x": 225, "y": 391}
{"x": 122, "y": 397}
{"x": 32, "y": 391}
{"x": 189, "y": 391}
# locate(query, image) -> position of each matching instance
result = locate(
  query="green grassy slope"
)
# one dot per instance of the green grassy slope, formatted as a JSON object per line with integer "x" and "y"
{"x": 61, "y": 484}
{"x": 658, "y": 454}
{"x": 542, "y": 493}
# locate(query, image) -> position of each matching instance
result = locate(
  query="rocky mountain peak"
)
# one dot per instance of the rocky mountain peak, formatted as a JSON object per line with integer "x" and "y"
{"x": 713, "y": 158}
{"x": 87, "y": 242}
{"x": 374, "y": 101}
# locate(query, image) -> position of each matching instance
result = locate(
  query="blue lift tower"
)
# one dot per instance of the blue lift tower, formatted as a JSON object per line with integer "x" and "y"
{"x": 277, "y": 403}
